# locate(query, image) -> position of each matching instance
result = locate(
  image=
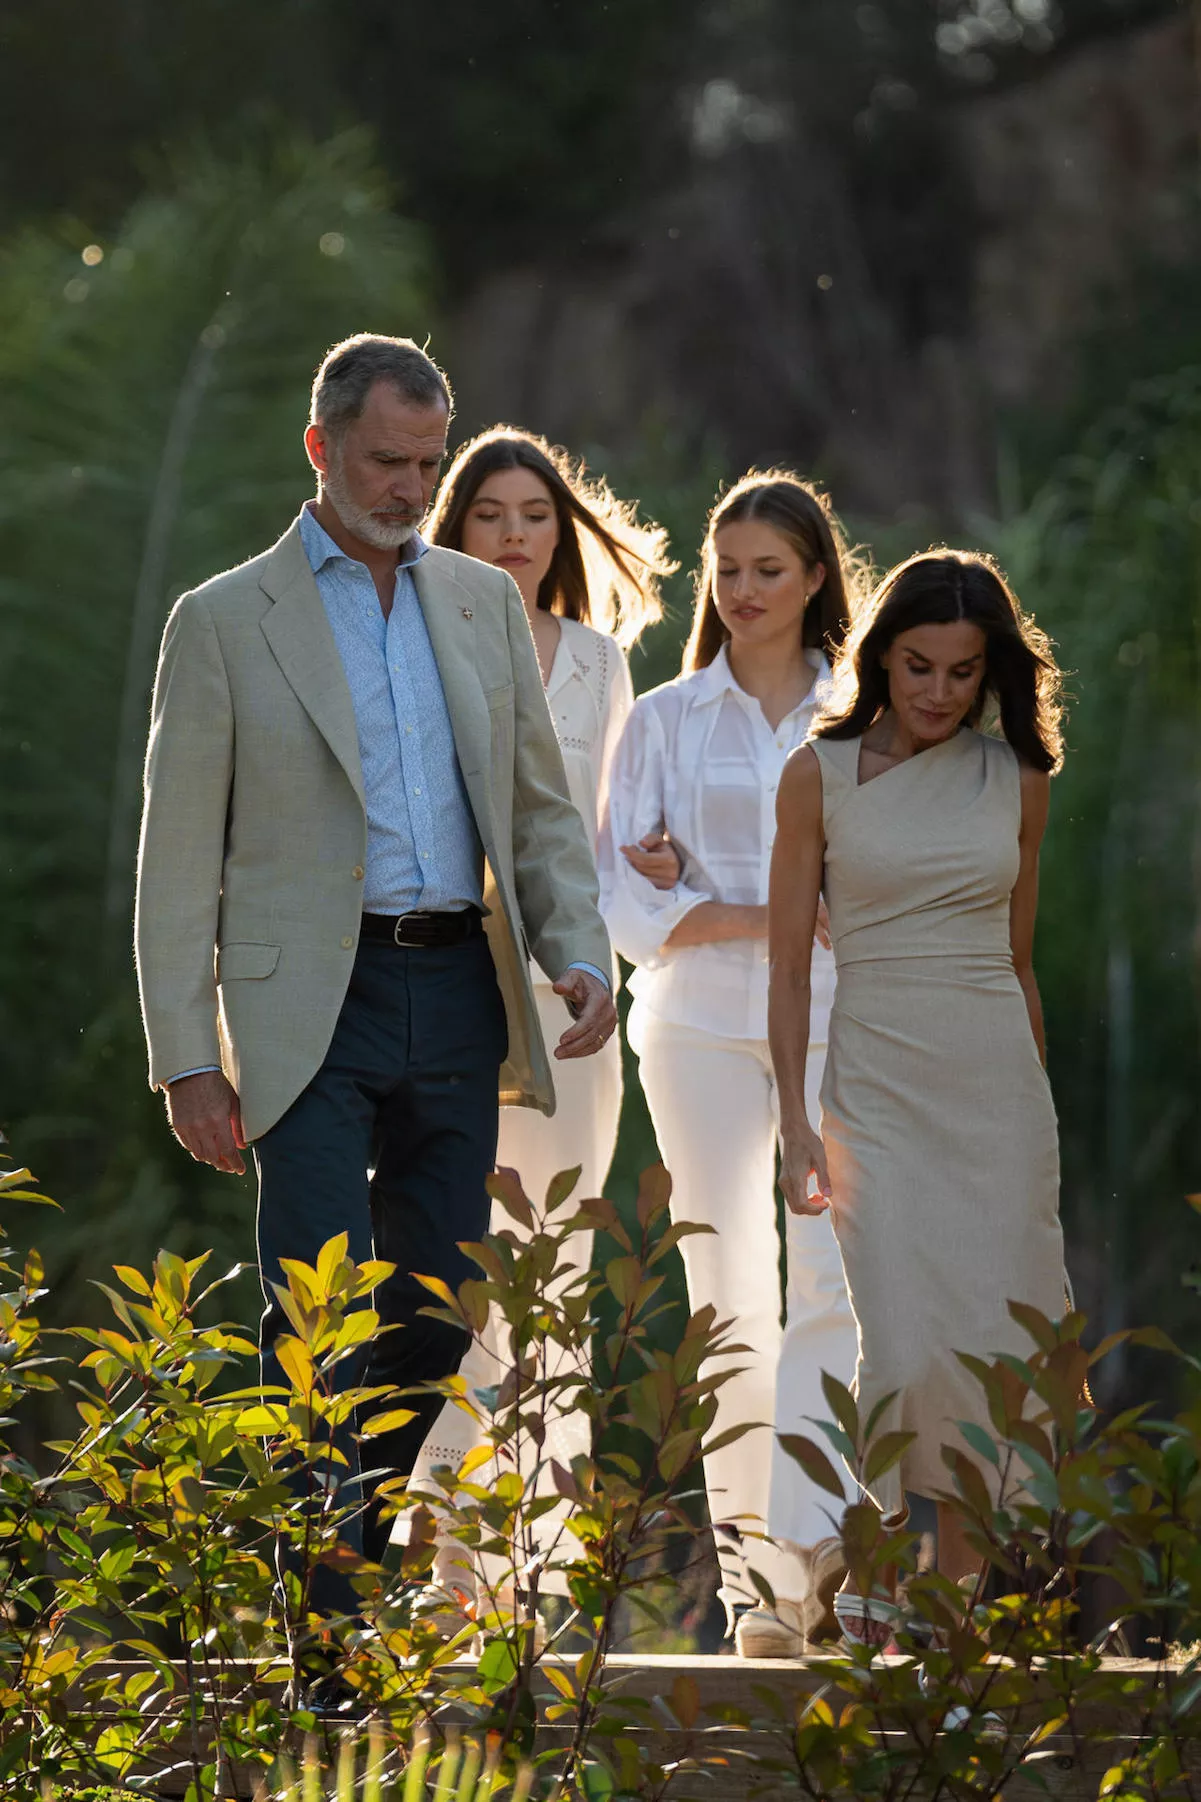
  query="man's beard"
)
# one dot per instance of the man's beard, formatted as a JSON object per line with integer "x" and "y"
{"x": 380, "y": 534}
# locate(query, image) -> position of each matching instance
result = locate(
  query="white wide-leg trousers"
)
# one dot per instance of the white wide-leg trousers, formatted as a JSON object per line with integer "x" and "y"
{"x": 582, "y": 1130}
{"x": 714, "y": 1107}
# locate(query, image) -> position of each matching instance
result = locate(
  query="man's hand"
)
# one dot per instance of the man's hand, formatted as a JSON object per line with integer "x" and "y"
{"x": 207, "y": 1120}
{"x": 596, "y": 1016}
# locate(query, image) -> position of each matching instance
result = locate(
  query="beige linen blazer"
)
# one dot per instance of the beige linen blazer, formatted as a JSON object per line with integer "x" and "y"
{"x": 254, "y": 833}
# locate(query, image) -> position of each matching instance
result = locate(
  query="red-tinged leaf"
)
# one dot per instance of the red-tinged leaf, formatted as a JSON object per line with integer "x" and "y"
{"x": 1025, "y": 1432}
{"x": 561, "y": 1186}
{"x": 888, "y": 1450}
{"x": 684, "y": 1699}
{"x": 1040, "y": 1329}
{"x": 602, "y": 1217}
{"x": 504, "y": 1186}
{"x": 968, "y": 1480}
{"x": 622, "y": 1276}
{"x": 654, "y": 1194}
{"x": 728, "y": 1437}
{"x": 563, "y": 1481}
{"x": 814, "y": 1462}
{"x": 1194, "y": 1202}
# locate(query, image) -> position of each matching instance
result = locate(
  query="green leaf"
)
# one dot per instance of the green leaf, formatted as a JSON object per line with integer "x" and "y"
{"x": 387, "y": 1423}
{"x": 887, "y": 1451}
{"x": 980, "y": 1441}
{"x": 813, "y": 1461}
{"x": 841, "y": 1404}
{"x": 505, "y": 1187}
{"x": 561, "y": 1186}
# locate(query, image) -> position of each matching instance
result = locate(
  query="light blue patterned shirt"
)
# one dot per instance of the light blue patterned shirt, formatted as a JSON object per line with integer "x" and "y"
{"x": 423, "y": 849}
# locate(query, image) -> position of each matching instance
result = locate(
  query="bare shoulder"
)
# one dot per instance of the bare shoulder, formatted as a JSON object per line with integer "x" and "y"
{"x": 800, "y": 794}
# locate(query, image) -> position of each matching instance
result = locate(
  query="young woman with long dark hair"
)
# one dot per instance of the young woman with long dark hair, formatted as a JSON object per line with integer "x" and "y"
{"x": 937, "y": 1152}
{"x": 589, "y": 573}
{"x": 700, "y": 759}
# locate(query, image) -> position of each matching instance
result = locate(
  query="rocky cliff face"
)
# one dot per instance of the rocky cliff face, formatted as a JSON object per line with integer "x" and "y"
{"x": 762, "y": 302}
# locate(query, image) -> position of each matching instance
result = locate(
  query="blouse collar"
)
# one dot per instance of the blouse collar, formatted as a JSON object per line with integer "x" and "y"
{"x": 718, "y": 679}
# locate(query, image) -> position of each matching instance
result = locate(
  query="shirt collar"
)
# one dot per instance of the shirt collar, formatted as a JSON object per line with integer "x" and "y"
{"x": 320, "y": 548}
{"x": 718, "y": 679}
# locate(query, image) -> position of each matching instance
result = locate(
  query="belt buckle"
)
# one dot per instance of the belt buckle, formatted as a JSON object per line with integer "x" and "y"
{"x": 406, "y": 944}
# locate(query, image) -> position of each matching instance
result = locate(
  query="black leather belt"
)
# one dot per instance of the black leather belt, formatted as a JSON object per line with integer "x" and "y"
{"x": 423, "y": 931}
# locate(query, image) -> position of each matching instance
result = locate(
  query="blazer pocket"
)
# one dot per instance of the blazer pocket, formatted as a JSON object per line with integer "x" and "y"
{"x": 236, "y": 962}
{"x": 499, "y": 697}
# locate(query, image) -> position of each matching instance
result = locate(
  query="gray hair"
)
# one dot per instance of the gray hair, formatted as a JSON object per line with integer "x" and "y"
{"x": 351, "y": 369}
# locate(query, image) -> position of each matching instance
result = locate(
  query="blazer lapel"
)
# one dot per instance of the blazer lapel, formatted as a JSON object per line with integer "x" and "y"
{"x": 450, "y": 622}
{"x": 298, "y": 632}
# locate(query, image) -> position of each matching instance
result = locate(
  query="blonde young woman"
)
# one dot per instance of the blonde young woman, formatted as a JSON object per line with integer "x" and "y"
{"x": 589, "y": 575}
{"x": 700, "y": 759}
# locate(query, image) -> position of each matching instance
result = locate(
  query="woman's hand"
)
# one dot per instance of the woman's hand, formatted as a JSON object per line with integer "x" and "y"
{"x": 656, "y": 858}
{"x": 803, "y": 1155}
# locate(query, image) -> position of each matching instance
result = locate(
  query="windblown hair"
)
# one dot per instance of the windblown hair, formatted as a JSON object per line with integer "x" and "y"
{"x": 606, "y": 567}
{"x": 802, "y": 514}
{"x": 350, "y": 370}
{"x": 1022, "y": 682}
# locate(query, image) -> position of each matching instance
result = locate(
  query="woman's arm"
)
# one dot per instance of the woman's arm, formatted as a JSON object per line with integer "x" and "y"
{"x": 654, "y": 857}
{"x": 1023, "y": 903}
{"x": 717, "y": 922}
{"x": 641, "y": 917}
{"x": 794, "y": 894}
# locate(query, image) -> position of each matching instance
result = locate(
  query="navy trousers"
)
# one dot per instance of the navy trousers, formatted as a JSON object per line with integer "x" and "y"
{"x": 391, "y": 1143}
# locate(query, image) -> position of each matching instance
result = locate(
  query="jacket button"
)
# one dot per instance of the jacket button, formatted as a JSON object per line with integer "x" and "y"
{"x": 348, "y": 944}
{"x": 357, "y": 872}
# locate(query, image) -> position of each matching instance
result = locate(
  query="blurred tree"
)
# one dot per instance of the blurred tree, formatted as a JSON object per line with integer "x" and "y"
{"x": 507, "y": 128}
{"x": 1108, "y": 554}
{"x": 155, "y": 392}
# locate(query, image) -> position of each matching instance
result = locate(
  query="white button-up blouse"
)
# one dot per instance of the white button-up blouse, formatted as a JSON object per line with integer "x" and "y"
{"x": 590, "y": 696}
{"x": 698, "y": 759}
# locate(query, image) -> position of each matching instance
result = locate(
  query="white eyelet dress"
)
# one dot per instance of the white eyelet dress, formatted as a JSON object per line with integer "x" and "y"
{"x": 590, "y": 695}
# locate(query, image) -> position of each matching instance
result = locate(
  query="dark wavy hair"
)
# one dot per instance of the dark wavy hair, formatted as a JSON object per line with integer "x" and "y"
{"x": 1021, "y": 681}
{"x": 802, "y": 514}
{"x": 606, "y": 567}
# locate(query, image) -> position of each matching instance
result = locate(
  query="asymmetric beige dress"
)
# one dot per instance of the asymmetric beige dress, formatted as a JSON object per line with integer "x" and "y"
{"x": 936, "y": 1112}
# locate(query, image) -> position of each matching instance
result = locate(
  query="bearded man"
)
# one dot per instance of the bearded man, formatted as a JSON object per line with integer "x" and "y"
{"x": 356, "y": 834}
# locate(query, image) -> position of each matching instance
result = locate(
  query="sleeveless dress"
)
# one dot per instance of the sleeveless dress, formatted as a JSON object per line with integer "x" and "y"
{"x": 937, "y": 1115}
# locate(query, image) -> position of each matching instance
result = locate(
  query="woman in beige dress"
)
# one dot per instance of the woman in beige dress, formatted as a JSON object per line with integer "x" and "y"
{"x": 937, "y": 1154}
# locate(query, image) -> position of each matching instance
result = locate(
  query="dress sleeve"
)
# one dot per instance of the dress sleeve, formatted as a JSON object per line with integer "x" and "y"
{"x": 639, "y": 916}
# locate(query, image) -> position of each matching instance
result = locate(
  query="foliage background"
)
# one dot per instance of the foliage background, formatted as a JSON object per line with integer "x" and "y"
{"x": 260, "y": 180}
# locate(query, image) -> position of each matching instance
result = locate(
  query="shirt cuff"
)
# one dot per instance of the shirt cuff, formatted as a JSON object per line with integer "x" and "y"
{"x": 592, "y": 971}
{"x": 200, "y": 1070}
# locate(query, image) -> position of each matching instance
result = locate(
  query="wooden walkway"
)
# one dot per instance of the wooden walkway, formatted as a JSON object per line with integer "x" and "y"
{"x": 1059, "y": 1767}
